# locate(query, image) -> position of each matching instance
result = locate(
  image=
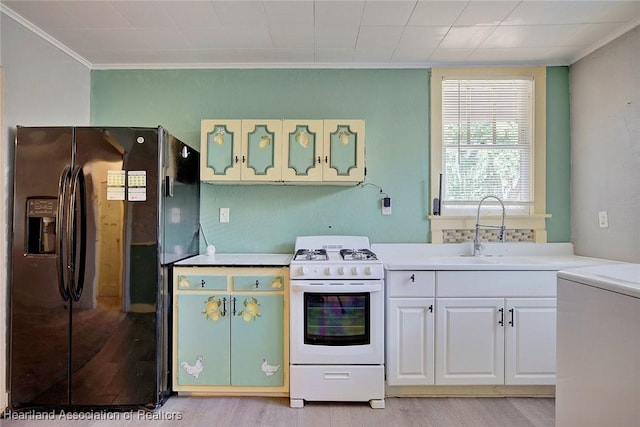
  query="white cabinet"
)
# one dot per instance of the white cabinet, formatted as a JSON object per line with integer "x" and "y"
{"x": 410, "y": 327}
{"x": 530, "y": 341}
{"x": 495, "y": 327}
{"x": 469, "y": 341}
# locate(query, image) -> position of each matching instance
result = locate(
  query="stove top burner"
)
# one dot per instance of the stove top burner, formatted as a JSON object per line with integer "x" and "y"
{"x": 357, "y": 255}
{"x": 311, "y": 255}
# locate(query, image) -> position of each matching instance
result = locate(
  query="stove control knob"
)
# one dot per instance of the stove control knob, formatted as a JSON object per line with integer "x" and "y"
{"x": 327, "y": 271}
{"x": 341, "y": 270}
{"x": 354, "y": 271}
{"x": 367, "y": 271}
{"x": 303, "y": 271}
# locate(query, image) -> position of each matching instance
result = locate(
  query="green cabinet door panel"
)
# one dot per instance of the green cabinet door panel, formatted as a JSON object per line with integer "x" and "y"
{"x": 202, "y": 281}
{"x": 257, "y": 340}
{"x": 260, "y": 150}
{"x": 258, "y": 283}
{"x": 203, "y": 339}
{"x": 343, "y": 150}
{"x": 220, "y": 148}
{"x": 302, "y": 149}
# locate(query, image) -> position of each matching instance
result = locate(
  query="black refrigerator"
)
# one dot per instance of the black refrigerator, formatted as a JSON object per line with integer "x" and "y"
{"x": 100, "y": 214}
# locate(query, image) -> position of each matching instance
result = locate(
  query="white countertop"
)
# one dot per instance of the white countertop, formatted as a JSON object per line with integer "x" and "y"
{"x": 244, "y": 260}
{"x": 496, "y": 256}
{"x": 620, "y": 278}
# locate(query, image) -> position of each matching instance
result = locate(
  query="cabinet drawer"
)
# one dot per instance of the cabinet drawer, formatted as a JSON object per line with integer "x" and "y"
{"x": 202, "y": 281}
{"x": 337, "y": 382}
{"x": 409, "y": 283}
{"x": 501, "y": 284}
{"x": 258, "y": 283}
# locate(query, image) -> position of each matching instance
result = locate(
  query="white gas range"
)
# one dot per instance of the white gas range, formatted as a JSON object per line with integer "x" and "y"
{"x": 337, "y": 321}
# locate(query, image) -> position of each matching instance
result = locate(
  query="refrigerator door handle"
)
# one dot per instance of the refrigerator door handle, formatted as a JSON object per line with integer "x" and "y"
{"x": 61, "y": 215}
{"x": 78, "y": 190}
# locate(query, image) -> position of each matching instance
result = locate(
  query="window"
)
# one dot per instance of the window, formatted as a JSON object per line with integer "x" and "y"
{"x": 486, "y": 142}
{"x": 488, "y": 138}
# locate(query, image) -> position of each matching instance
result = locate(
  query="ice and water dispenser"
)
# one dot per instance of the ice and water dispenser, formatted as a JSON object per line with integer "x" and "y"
{"x": 41, "y": 225}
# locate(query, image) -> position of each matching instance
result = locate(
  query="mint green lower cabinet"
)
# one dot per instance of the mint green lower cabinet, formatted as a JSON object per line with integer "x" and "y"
{"x": 202, "y": 281}
{"x": 229, "y": 335}
{"x": 259, "y": 283}
{"x": 217, "y": 347}
{"x": 256, "y": 340}
{"x": 203, "y": 339}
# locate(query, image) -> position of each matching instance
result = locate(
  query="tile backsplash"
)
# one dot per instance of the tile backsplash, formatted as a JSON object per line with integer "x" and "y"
{"x": 466, "y": 235}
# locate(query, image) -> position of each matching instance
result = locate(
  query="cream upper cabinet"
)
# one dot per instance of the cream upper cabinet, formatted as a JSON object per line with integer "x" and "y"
{"x": 343, "y": 155}
{"x": 283, "y": 151}
{"x": 302, "y": 150}
{"x": 241, "y": 150}
{"x": 323, "y": 151}
{"x": 220, "y": 150}
{"x": 261, "y": 150}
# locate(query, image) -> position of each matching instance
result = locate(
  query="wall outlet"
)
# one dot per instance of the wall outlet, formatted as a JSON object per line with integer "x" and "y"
{"x": 224, "y": 214}
{"x": 176, "y": 215}
{"x": 603, "y": 219}
{"x": 386, "y": 206}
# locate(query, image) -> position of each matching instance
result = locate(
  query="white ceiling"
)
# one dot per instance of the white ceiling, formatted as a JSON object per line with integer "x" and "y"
{"x": 325, "y": 33}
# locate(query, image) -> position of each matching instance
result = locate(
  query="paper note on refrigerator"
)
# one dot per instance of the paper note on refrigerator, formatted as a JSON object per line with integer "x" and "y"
{"x": 115, "y": 184}
{"x": 137, "y": 186}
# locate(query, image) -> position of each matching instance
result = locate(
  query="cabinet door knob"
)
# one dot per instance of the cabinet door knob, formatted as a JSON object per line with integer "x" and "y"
{"x": 511, "y": 321}
{"x": 224, "y": 307}
{"x": 233, "y": 306}
{"x": 257, "y": 284}
{"x": 413, "y": 277}
{"x": 319, "y": 159}
{"x": 501, "y": 321}
{"x": 326, "y": 159}
{"x": 236, "y": 159}
{"x": 202, "y": 283}
{"x": 431, "y": 308}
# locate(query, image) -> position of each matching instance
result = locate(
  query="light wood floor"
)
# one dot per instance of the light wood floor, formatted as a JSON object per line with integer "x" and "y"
{"x": 399, "y": 412}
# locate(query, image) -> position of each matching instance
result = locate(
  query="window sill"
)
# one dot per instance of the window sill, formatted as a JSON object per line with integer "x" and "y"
{"x": 535, "y": 222}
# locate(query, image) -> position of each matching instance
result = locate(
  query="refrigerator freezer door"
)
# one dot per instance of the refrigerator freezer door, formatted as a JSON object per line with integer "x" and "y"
{"x": 39, "y": 315}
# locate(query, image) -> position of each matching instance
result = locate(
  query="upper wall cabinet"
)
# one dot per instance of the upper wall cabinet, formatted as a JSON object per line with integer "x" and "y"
{"x": 323, "y": 151}
{"x": 283, "y": 151}
{"x": 241, "y": 150}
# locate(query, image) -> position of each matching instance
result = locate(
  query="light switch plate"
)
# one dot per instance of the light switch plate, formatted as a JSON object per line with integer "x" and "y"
{"x": 224, "y": 214}
{"x": 603, "y": 219}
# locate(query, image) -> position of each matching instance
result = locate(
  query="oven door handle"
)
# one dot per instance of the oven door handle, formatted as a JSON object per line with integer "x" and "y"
{"x": 342, "y": 289}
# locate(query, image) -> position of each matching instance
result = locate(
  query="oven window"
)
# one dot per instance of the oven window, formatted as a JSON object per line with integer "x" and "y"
{"x": 337, "y": 319}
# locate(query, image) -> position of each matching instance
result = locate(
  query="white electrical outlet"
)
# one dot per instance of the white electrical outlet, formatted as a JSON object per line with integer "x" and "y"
{"x": 176, "y": 215}
{"x": 224, "y": 214}
{"x": 603, "y": 219}
{"x": 386, "y": 206}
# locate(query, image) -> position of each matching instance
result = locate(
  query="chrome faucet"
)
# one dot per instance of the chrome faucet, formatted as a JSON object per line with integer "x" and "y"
{"x": 477, "y": 246}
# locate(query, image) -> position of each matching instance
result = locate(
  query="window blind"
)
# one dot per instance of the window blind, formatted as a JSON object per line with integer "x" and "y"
{"x": 487, "y": 131}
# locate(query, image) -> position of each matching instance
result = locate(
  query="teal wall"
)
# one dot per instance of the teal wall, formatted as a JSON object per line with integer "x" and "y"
{"x": 265, "y": 218}
{"x": 558, "y": 155}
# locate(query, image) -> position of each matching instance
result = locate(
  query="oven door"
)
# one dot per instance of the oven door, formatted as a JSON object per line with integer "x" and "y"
{"x": 337, "y": 323}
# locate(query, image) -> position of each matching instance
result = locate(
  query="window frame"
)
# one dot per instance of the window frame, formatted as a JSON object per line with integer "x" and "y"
{"x": 537, "y": 214}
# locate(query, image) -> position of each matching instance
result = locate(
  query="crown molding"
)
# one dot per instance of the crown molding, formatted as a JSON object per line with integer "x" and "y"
{"x": 605, "y": 41}
{"x": 34, "y": 29}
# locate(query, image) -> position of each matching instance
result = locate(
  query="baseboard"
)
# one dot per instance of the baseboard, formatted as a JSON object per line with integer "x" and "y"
{"x": 472, "y": 391}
